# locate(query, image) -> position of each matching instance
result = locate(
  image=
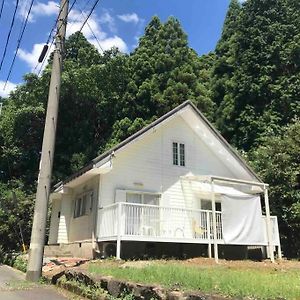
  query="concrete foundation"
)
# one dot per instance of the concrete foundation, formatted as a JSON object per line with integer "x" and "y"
{"x": 79, "y": 249}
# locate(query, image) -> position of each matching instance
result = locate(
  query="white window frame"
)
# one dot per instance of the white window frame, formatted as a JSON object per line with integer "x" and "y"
{"x": 83, "y": 204}
{"x": 178, "y": 156}
{"x": 217, "y": 203}
{"x": 142, "y": 193}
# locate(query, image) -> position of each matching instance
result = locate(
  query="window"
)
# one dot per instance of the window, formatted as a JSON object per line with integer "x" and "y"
{"x": 181, "y": 155}
{"x": 142, "y": 220}
{"x": 142, "y": 198}
{"x": 206, "y": 205}
{"x": 83, "y": 204}
{"x": 175, "y": 154}
{"x": 178, "y": 154}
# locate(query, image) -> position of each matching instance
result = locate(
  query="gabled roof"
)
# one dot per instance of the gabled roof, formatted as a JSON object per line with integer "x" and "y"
{"x": 106, "y": 155}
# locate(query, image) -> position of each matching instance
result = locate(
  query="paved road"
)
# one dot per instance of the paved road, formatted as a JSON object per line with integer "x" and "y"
{"x": 14, "y": 287}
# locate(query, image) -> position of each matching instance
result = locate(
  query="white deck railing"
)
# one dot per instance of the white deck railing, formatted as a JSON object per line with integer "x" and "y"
{"x": 157, "y": 222}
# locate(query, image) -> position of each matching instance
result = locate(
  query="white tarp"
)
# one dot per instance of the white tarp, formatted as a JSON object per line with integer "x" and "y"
{"x": 242, "y": 220}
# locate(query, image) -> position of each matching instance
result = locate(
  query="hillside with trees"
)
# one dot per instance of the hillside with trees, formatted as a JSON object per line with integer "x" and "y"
{"x": 249, "y": 87}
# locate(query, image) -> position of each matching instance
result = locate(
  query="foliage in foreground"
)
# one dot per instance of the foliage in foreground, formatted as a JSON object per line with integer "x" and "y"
{"x": 255, "y": 283}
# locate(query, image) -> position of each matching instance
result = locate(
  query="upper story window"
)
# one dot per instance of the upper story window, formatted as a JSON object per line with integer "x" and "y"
{"x": 83, "y": 204}
{"x": 178, "y": 154}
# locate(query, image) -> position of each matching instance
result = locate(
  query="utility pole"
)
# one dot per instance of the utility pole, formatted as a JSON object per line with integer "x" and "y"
{"x": 36, "y": 252}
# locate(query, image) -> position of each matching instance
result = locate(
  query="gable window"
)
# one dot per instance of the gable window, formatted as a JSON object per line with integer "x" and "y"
{"x": 178, "y": 154}
{"x": 83, "y": 204}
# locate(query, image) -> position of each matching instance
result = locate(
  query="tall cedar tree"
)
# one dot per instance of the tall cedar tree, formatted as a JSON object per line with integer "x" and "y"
{"x": 262, "y": 87}
{"x": 165, "y": 72}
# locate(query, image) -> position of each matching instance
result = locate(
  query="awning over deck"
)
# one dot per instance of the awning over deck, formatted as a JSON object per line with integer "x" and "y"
{"x": 242, "y": 222}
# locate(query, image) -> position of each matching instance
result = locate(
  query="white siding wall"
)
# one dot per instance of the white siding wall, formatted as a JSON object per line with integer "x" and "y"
{"x": 147, "y": 165}
{"x": 53, "y": 232}
{"x": 64, "y": 220}
{"x": 81, "y": 228}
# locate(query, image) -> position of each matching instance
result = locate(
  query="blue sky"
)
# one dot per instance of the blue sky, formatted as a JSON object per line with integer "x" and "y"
{"x": 115, "y": 23}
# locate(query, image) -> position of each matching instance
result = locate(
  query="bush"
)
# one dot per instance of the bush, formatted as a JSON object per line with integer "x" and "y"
{"x": 20, "y": 263}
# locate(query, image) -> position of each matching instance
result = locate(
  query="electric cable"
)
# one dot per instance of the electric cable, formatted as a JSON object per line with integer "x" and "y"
{"x": 9, "y": 33}
{"x": 48, "y": 48}
{"x": 19, "y": 43}
{"x": 1, "y": 9}
{"x": 93, "y": 33}
{"x": 85, "y": 21}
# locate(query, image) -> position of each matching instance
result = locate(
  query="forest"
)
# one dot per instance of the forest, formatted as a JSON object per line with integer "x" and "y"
{"x": 248, "y": 87}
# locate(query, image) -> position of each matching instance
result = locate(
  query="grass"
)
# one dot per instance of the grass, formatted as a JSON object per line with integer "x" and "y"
{"x": 89, "y": 291}
{"x": 19, "y": 285}
{"x": 236, "y": 282}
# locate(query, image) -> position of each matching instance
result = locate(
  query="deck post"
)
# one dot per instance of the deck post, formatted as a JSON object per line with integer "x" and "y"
{"x": 213, "y": 204}
{"x": 119, "y": 216}
{"x": 279, "y": 253}
{"x": 268, "y": 220}
{"x": 208, "y": 234}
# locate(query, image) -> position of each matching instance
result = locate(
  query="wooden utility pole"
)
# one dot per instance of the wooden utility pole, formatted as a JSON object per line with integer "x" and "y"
{"x": 36, "y": 252}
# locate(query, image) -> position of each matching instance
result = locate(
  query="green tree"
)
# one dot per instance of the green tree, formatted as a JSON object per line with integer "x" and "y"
{"x": 165, "y": 72}
{"x": 261, "y": 90}
{"x": 277, "y": 161}
{"x": 15, "y": 212}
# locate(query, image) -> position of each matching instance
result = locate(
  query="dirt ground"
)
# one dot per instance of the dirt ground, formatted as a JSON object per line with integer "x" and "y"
{"x": 265, "y": 264}
{"x": 206, "y": 262}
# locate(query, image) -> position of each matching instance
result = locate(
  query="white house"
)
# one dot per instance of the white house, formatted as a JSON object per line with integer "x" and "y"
{"x": 174, "y": 187}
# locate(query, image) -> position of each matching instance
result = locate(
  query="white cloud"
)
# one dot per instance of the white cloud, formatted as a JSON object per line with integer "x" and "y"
{"x": 48, "y": 9}
{"x": 10, "y": 86}
{"x": 129, "y": 18}
{"x": 110, "y": 42}
{"x": 75, "y": 21}
{"x": 77, "y": 18}
{"x": 31, "y": 58}
{"x": 107, "y": 19}
{"x": 39, "y": 9}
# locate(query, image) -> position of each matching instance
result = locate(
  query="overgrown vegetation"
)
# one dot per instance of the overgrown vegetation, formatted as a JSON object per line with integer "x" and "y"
{"x": 229, "y": 281}
{"x": 249, "y": 87}
{"x": 93, "y": 292}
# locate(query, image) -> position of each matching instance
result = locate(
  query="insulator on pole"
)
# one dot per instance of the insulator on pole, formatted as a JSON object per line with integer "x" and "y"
{"x": 43, "y": 53}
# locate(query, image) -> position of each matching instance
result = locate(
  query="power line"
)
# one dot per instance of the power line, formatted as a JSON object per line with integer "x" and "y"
{"x": 82, "y": 9}
{"x": 19, "y": 42}
{"x": 53, "y": 38}
{"x": 9, "y": 33}
{"x": 93, "y": 33}
{"x": 1, "y": 9}
{"x": 85, "y": 21}
{"x": 91, "y": 11}
{"x": 56, "y": 21}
